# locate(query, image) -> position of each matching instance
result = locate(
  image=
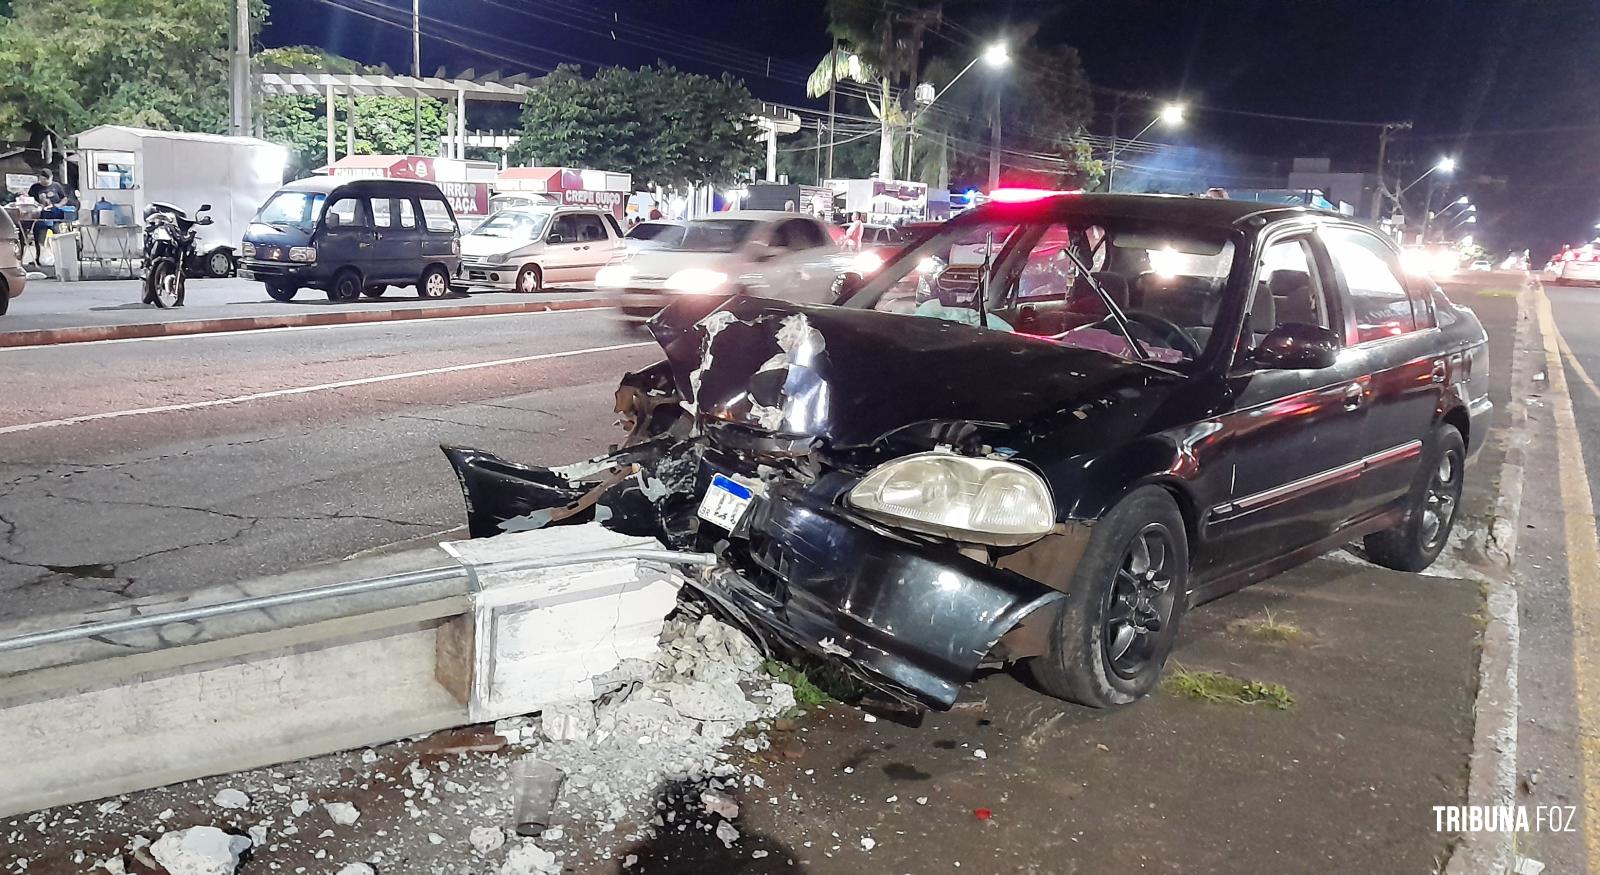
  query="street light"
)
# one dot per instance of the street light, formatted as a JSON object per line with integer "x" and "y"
{"x": 995, "y": 56}
{"x": 1444, "y": 165}
{"x": 1170, "y": 115}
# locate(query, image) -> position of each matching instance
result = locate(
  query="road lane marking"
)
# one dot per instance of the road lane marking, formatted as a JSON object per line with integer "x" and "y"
{"x": 1583, "y": 571}
{"x": 285, "y": 328}
{"x": 1577, "y": 368}
{"x": 321, "y": 387}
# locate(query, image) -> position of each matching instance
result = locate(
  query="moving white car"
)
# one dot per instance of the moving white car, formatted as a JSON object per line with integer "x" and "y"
{"x": 527, "y": 248}
{"x": 653, "y": 233}
{"x": 1575, "y": 264}
{"x": 754, "y": 252}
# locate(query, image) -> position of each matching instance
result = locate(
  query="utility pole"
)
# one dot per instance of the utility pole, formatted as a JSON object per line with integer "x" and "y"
{"x": 239, "y": 70}
{"x": 833, "y": 77}
{"x": 416, "y": 73}
{"x": 1383, "y": 186}
{"x": 994, "y": 144}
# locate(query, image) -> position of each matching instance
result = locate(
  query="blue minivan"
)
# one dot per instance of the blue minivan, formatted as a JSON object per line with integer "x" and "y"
{"x": 353, "y": 237}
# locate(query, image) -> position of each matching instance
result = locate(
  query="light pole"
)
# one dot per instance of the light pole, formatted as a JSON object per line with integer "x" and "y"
{"x": 994, "y": 57}
{"x": 1170, "y": 115}
{"x": 416, "y": 72}
{"x": 1446, "y": 164}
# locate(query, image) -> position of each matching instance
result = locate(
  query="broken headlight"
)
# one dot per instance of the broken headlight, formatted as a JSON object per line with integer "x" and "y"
{"x": 981, "y": 501}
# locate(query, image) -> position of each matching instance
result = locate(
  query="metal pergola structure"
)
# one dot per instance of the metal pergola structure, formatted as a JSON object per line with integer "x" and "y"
{"x": 457, "y": 89}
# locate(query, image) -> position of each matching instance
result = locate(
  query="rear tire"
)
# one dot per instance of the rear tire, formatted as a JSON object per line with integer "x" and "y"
{"x": 281, "y": 293}
{"x": 220, "y": 263}
{"x": 1431, "y": 507}
{"x": 374, "y": 291}
{"x": 346, "y": 286}
{"x": 5, "y": 297}
{"x": 530, "y": 279}
{"x": 1120, "y": 619}
{"x": 434, "y": 283}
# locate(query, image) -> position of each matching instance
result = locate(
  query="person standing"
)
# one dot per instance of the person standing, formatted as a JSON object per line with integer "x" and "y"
{"x": 50, "y": 195}
{"x": 854, "y": 233}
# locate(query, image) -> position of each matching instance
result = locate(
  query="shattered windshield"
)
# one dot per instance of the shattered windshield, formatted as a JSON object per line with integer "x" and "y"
{"x": 1166, "y": 278}
{"x": 715, "y": 235}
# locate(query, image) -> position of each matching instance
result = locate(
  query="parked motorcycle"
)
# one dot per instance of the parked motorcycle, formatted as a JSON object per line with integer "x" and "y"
{"x": 169, "y": 250}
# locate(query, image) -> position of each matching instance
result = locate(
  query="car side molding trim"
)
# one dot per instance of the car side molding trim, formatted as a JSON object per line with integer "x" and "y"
{"x": 1305, "y": 485}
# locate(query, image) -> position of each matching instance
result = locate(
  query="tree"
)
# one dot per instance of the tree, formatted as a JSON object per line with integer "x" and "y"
{"x": 383, "y": 125}
{"x": 665, "y": 127}
{"x": 68, "y": 65}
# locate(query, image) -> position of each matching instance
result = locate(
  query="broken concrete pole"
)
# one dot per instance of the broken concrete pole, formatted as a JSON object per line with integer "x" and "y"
{"x": 541, "y": 637}
{"x": 199, "y": 850}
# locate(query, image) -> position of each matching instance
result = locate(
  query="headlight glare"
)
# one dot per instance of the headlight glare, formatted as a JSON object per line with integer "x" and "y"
{"x": 696, "y": 280}
{"x": 613, "y": 276}
{"x": 982, "y": 501}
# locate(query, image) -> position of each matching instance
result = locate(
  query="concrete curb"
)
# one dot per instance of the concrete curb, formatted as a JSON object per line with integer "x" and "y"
{"x": 89, "y": 333}
{"x": 1492, "y": 767}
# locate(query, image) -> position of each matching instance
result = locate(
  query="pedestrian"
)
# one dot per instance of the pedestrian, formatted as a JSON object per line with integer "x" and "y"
{"x": 855, "y": 232}
{"x": 49, "y": 195}
{"x": 655, "y": 213}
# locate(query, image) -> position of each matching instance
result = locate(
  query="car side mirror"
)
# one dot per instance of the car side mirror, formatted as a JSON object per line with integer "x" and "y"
{"x": 331, "y": 221}
{"x": 555, "y": 238}
{"x": 845, "y": 285}
{"x": 203, "y": 208}
{"x": 1295, "y": 346}
{"x": 204, "y": 220}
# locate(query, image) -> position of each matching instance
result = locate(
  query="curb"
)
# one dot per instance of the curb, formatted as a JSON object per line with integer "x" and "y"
{"x": 90, "y": 333}
{"x": 1492, "y": 766}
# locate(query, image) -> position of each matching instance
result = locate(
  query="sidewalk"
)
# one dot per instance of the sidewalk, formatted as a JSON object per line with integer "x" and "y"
{"x": 112, "y": 309}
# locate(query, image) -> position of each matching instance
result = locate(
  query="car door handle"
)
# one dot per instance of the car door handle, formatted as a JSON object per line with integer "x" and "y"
{"x": 1439, "y": 371}
{"x": 1354, "y": 394}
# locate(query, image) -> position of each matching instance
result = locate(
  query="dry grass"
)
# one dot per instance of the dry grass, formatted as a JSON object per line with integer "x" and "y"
{"x": 1221, "y": 689}
{"x": 1268, "y": 627}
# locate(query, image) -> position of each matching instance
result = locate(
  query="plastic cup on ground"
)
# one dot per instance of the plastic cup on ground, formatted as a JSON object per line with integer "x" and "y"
{"x": 537, "y": 783}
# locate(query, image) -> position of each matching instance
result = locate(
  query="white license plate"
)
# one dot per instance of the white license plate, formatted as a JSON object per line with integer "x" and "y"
{"x": 725, "y": 502}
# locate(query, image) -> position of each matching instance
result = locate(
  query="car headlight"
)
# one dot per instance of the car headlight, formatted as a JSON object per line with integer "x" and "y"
{"x": 867, "y": 263}
{"x": 248, "y": 249}
{"x": 613, "y": 276}
{"x": 306, "y": 254}
{"x": 499, "y": 257}
{"x": 696, "y": 280}
{"x": 981, "y": 501}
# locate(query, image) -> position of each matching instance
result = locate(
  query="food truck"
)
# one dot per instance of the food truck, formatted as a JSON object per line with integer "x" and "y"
{"x": 884, "y": 202}
{"x": 567, "y": 186}
{"x": 466, "y": 184}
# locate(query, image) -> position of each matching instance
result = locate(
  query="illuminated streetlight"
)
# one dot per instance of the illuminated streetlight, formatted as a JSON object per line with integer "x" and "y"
{"x": 1170, "y": 115}
{"x": 996, "y": 55}
{"x": 1446, "y": 165}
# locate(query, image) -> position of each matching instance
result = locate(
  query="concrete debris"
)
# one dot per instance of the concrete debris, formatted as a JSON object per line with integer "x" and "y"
{"x": 980, "y": 754}
{"x": 342, "y": 813}
{"x": 727, "y": 833}
{"x": 486, "y": 839}
{"x": 369, "y": 756}
{"x": 299, "y": 806}
{"x": 530, "y": 859}
{"x": 110, "y": 806}
{"x": 199, "y": 850}
{"x": 231, "y": 798}
{"x": 574, "y": 721}
{"x": 868, "y": 843}
{"x": 258, "y": 835}
{"x": 720, "y": 804}
{"x": 435, "y": 839}
{"x": 758, "y": 855}
{"x": 357, "y": 869}
{"x": 113, "y": 865}
{"x": 630, "y": 861}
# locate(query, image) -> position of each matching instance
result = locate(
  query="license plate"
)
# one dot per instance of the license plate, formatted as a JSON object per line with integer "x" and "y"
{"x": 725, "y": 502}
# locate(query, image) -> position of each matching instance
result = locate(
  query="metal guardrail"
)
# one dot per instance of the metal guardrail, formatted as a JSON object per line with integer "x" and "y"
{"x": 354, "y": 587}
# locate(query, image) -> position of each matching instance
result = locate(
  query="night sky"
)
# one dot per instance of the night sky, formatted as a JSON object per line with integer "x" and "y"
{"x": 1508, "y": 87}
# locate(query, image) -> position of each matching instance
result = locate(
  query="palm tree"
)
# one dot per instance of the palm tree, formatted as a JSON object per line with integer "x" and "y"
{"x": 846, "y": 65}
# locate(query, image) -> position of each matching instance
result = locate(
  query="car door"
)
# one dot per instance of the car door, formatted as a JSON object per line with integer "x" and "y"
{"x": 1392, "y": 326}
{"x": 593, "y": 247}
{"x": 346, "y": 237}
{"x": 440, "y": 234}
{"x": 561, "y": 259}
{"x": 797, "y": 270}
{"x": 1291, "y": 441}
{"x": 396, "y": 250}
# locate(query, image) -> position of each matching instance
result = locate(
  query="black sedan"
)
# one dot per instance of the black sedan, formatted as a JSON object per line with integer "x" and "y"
{"x": 1167, "y": 399}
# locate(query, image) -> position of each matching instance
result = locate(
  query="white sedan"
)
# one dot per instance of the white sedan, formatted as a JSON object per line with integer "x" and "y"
{"x": 765, "y": 253}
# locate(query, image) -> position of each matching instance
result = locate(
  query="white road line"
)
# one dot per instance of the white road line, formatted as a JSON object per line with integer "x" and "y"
{"x": 301, "y": 390}
{"x": 278, "y": 330}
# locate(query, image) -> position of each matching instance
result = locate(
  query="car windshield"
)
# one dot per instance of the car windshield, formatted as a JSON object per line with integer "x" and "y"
{"x": 292, "y": 209}
{"x": 715, "y": 235}
{"x": 515, "y": 225}
{"x": 1167, "y": 278}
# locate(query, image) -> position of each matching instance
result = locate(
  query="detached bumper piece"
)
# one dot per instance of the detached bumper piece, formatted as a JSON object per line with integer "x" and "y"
{"x": 910, "y": 617}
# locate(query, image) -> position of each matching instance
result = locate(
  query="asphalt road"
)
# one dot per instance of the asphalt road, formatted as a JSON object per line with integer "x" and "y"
{"x": 50, "y": 304}
{"x": 212, "y": 458}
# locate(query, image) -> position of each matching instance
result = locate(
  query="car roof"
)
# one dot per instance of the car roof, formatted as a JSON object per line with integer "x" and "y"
{"x": 1218, "y": 212}
{"x": 758, "y": 215}
{"x": 362, "y": 185}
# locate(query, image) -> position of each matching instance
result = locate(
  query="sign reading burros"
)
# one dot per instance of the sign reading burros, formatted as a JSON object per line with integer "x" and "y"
{"x": 582, "y": 197}
{"x": 466, "y": 198}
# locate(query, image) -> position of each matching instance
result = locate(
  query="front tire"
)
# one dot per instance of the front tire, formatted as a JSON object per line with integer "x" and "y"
{"x": 530, "y": 279}
{"x": 434, "y": 283}
{"x": 281, "y": 293}
{"x": 165, "y": 288}
{"x": 1430, "y": 507}
{"x": 346, "y": 286}
{"x": 374, "y": 291}
{"x": 1120, "y": 619}
{"x": 220, "y": 263}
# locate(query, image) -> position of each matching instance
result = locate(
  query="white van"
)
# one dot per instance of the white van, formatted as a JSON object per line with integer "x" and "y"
{"x": 526, "y": 248}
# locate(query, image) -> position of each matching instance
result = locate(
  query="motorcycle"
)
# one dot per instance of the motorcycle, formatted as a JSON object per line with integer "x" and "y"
{"x": 169, "y": 250}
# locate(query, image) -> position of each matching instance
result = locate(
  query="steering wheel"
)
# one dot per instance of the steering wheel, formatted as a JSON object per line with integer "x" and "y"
{"x": 1165, "y": 331}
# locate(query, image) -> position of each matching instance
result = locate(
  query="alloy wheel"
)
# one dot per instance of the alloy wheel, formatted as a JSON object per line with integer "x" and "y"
{"x": 1139, "y": 601}
{"x": 436, "y": 285}
{"x": 1439, "y": 504}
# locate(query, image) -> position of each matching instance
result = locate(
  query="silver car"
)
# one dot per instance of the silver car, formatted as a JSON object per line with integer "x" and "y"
{"x": 13, "y": 279}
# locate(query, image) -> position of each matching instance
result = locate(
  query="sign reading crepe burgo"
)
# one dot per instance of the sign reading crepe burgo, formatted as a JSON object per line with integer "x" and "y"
{"x": 589, "y": 198}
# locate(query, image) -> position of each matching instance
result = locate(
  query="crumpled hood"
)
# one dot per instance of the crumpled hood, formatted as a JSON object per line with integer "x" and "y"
{"x": 852, "y": 376}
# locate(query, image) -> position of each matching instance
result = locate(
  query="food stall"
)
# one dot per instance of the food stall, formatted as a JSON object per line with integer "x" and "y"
{"x": 568, "y": 186}
{"x": 122, "y": 170}
{"x": 466, "y": 184}
{"x": 885, "y": 202}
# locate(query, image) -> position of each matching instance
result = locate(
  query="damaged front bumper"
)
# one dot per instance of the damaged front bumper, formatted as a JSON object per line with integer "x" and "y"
{"x": 914, "y": 618}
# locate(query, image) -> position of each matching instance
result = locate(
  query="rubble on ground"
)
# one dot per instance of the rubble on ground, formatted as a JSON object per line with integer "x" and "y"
{"x": 199, "y": 850}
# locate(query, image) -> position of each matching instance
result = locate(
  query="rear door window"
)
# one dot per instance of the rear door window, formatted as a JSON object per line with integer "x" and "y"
{"x": 407, "y": 213}
{"x": 382, "y": 212}
{"x": 588, "y": 227}
{"x": 436, "y": 214}
{"x": 1374, "y": 282}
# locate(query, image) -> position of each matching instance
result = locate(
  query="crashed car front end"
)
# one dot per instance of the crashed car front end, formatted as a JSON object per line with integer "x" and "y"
{"x": 748, "y": 442}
